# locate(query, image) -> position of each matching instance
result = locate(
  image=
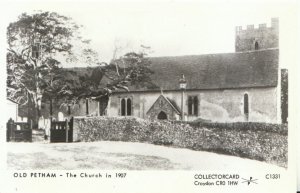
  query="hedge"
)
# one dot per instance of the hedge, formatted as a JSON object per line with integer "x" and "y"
{"x": 253, "y": 126}
{"x": 259, "y": 141}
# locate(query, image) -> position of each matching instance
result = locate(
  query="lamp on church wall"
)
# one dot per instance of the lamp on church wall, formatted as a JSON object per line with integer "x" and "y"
{"x": 182, "y": 86}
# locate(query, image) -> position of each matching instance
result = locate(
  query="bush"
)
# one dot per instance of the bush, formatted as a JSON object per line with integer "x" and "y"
{"x": 260, "y": 141}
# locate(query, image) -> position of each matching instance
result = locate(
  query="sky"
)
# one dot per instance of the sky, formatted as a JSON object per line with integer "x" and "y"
{"x": 169, "y": 28}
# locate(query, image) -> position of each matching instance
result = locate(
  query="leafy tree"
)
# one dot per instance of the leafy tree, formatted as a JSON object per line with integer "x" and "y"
{"x": 37, "y": 44}
{"x": 123, "y": 73}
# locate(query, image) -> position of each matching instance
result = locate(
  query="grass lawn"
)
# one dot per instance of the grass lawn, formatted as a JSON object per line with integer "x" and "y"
{"x": 121, "y": 155}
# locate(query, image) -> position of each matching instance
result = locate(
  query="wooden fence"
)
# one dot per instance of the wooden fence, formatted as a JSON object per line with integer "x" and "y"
{"x": 18, "y": 131}
{"x": 61, "y": 131}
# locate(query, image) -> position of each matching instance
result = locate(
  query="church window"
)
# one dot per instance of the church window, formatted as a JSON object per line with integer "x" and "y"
{"x": 87, "y": 106}
{"x": 246, "y": 105}
{"x": 190, "y": 105}
{"x": 193, "y": 103}
{"x": 196, "y": 103}
{"x": 256, "y": 45}
{"x": 126, "y": 107}
{"x": 123, "y": 107}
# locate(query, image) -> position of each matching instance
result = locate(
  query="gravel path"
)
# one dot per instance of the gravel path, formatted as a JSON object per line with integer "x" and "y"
{"x": 121, "y": 155}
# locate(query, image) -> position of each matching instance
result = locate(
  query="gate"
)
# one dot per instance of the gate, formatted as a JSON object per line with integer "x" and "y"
{"x": 61, "y": 131}
{"x": 18, "y": 131}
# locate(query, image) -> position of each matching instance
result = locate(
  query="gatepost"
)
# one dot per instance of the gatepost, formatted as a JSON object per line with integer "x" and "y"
{"x": 67, "y": 130}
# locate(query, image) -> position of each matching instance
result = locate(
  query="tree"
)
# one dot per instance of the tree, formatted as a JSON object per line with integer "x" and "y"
{"x": 122, "y": 73}
{"x": 36, "y": 45}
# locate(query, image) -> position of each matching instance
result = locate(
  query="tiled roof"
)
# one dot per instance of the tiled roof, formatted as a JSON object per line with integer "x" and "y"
{"x": 211, "y": 71}
{"x": 217, "y": 71}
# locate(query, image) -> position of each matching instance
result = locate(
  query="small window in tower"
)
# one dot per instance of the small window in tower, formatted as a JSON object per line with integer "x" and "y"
{"x": 256, "y": 45}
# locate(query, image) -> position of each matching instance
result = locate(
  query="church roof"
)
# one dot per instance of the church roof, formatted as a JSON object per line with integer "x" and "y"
{"x": 210, "y": 71}
{"x": 216, "y": 71}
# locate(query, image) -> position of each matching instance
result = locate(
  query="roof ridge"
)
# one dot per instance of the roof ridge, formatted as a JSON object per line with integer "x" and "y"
{"x": 221, "y": 53}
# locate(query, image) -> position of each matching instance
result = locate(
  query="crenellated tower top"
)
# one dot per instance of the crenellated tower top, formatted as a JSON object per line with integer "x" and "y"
{"x": 257, "y": 38}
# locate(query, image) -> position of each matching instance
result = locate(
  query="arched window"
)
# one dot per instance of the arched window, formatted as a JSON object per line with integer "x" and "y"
{"x": 123, "y": 107}
{"x": 162, "y": 116}
{"x": 256, "y": 45}
{"x": 87, "y": 106}
{"x": 246, "y": 105}
{"x": 128, "y": 107}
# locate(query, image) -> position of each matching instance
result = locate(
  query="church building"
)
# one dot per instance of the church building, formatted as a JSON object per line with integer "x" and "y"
{"x": 245, "y": 86}
{"x": 241, "y": 86}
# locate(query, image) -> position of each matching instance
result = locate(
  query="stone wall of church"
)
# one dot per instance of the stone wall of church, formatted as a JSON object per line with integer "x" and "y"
{"x": 214, "y": 105}
{"x": 228, "y": 105}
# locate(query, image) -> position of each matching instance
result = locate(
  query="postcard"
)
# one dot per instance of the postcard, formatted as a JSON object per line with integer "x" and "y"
{"x": 170, "y": 96}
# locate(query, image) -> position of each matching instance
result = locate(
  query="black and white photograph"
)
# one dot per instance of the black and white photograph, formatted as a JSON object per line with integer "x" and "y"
{"x": 112, "y": 90}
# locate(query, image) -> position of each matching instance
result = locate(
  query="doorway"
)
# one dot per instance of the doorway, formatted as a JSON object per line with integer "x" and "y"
{"x": 162, "y": 116}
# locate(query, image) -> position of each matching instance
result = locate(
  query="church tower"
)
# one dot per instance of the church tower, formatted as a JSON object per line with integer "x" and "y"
{"x": 259, "y": 38}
